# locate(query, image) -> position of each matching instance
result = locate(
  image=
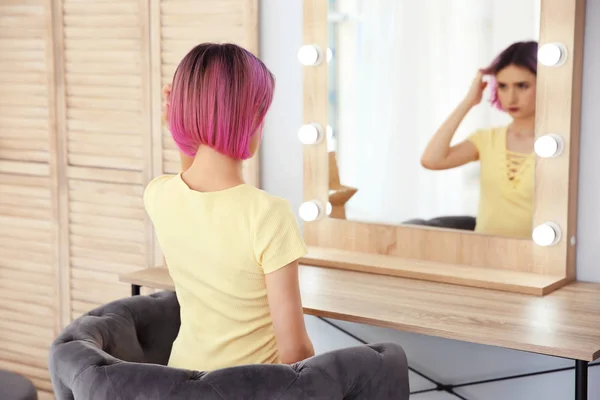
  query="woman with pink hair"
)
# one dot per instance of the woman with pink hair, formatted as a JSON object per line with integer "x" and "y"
{"x": 232, "y": 250}
{"x": 505, "y": 153}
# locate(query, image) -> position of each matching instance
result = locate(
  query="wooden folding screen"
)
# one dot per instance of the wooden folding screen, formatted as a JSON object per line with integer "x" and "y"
{"x": 80, "y": 136}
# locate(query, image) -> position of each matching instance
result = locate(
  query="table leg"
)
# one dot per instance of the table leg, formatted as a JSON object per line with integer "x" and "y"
{"x": 135, "y": 290}
{"x": 581, "y": 380}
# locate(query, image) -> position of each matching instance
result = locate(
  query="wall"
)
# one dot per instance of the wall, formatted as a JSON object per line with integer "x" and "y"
{"x": 444, "y": 360}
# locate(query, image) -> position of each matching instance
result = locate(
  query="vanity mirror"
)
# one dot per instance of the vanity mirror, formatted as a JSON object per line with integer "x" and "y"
{"x": 441, "y": 139}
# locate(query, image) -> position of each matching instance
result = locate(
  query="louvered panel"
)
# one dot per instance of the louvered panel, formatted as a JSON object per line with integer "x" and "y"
{"x": 183, "y": 25}
{"x": 27, "y": 230}
{"x": 108, "y": 236}
{"x": 27, "y": 276}
{"x": 105, "y": 96}
{"x": 24, "y": 116}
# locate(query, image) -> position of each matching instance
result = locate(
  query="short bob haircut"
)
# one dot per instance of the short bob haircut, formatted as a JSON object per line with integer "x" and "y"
{"x": 219, "y": 98}
{"x": 520, "y": 54}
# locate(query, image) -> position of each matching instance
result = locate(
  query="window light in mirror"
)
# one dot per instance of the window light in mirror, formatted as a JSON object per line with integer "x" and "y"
{"x": 310, "y": 210}
{"x": 310, "y": 133}
{"x": 331, "y": 145}
{"x": 546, "y": 234}
{"x": 309, "y": 55}
{"x": 547, "y": 146}
{"x": 552, "y": 54}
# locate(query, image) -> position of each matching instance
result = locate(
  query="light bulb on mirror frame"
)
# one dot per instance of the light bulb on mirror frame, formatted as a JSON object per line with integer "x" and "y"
{"x": 329, "y": 55}
{"x": 547, "y": 146}
{"x": 546, "y": 234}
{"x": 310, "y": 210}
{"x": 552, "y": 54}
{"x": 310, "y": 55}
{"x": 310, "y": 133}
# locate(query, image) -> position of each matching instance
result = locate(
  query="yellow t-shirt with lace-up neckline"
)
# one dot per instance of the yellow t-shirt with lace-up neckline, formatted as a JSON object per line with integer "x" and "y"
{"x": 506, "y": 186}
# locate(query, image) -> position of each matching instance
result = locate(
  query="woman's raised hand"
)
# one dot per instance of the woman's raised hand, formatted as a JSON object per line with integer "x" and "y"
{"x": 475, "y": 93}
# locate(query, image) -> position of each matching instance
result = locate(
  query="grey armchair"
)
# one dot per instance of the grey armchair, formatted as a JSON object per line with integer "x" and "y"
{"x": 120, "y": 351}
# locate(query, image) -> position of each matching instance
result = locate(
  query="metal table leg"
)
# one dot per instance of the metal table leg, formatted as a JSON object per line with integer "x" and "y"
{"x": 581, "y": 380}
{"x": 135, "y": 290}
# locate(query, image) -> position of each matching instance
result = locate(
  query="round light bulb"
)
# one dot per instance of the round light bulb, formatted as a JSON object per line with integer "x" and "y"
{"x": 329, "y": 132}
{"x": 547, "y": 146}
{"x": 309, "y": 211}
{"x": 329, "y": 55}
{"x": 552, "y": 54}
{"x": 328, "y": 209}
{"x": 310, "y": 133}
{"x": 546, "y": 234}
{"x": 309, "y": 55}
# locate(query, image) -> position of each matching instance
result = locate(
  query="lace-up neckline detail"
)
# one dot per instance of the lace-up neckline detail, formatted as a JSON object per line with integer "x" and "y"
{"x": 514, "y": 164}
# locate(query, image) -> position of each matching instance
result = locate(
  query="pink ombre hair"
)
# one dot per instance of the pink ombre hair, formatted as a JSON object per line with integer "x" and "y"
{"x": 521, "y": 54}
{"x": 219, "y": 98}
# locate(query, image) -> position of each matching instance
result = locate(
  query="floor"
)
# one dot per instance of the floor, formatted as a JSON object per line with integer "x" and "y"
{"x": 456, "y": 362}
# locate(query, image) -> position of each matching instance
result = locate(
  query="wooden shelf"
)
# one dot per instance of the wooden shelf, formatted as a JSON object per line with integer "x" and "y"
{"x": 511, "y": 281}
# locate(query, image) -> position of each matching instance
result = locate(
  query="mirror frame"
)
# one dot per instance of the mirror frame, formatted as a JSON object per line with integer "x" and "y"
{"x": 451, "y": 256}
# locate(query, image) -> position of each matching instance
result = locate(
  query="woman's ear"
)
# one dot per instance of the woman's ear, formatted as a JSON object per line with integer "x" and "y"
{"x": 166, "y": 91}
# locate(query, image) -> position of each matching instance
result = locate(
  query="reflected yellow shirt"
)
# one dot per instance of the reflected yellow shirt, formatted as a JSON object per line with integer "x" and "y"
{"x": 506, "y": 186}
{"x": 218, "y": 247}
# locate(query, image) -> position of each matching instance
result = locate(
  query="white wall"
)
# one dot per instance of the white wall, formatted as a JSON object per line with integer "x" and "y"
{"x": 444, "y": 360}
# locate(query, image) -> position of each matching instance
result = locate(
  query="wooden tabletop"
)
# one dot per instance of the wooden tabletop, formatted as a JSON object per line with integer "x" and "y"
{"x": 565, "y": 323}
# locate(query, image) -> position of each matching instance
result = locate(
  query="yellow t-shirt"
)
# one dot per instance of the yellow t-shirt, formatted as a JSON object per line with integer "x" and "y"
{"x": 506, "y": 186}
{"x": 218, "y": 247}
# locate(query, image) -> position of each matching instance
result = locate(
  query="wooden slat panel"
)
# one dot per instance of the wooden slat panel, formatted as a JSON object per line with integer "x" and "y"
{"x": 24, "y": 101}
{"x": 12, "y": 350}
{"x": 105, "y": 99}
{"x": 34, "y": 321}
{"x": 108, "y": 234}
{"x": 29, "y": 134}
{"x": 27, "y": 225}
{"x": 90, "y": 242}
{"x": 37, "y": 263}
{"x": 19, "y": 167}
{"x": 103, "y": 175}
{"x": 13, "y": 341}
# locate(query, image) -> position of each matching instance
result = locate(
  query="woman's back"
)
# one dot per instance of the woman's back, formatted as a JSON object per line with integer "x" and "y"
{"x": 218, "y": 246}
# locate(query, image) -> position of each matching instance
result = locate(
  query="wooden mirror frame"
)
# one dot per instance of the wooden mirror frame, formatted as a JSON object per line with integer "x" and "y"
{"x": 451, "y": 256}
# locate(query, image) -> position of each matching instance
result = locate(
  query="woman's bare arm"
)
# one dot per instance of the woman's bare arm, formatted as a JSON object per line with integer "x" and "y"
{"x": 283, "y": 293}
{"x": 439, "y": 154}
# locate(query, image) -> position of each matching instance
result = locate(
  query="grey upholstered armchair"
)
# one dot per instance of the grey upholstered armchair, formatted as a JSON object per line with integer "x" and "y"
{"x": 119, "y": 351}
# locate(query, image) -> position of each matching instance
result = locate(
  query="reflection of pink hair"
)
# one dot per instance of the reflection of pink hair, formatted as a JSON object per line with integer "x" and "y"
{"x": 219, "y": 98}
{"x": 494, "y": 100}
{"x": 521, "y": 54}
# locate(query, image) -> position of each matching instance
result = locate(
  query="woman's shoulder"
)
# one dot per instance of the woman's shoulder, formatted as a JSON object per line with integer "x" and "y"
{"x": 154, "y": 187}
{"x": 488, "y": 135}
{"x": 494, "y": 131}
{"x": 267, "y": 202}
{"x": 158, "y": 183}
{"x": 160, "y": 180}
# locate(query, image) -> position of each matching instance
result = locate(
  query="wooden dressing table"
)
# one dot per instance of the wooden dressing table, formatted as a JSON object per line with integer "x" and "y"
{"x": 565, "y": 323}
